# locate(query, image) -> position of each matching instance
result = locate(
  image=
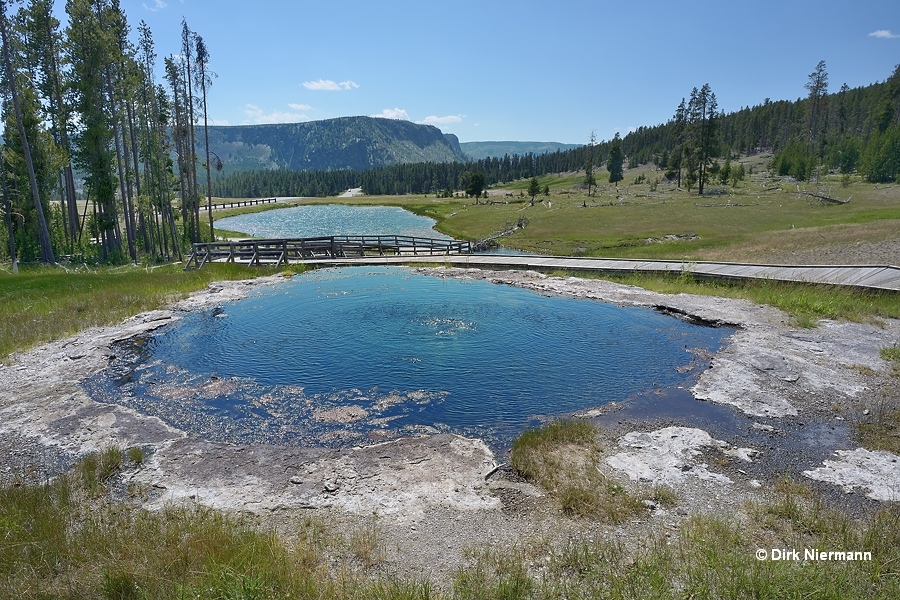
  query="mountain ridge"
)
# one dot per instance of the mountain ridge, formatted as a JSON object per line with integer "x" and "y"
{"x": 357, "y": 143}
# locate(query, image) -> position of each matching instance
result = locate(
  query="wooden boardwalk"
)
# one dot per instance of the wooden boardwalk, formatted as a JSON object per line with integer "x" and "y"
{"x": 241, "y": 203}
{"x": 393, "y": 250}
{"x": 876, "y": 277}
{"x": 283, "y": 251}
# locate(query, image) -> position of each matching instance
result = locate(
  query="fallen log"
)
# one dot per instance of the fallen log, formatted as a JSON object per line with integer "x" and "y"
{"x": 826, "y": 199}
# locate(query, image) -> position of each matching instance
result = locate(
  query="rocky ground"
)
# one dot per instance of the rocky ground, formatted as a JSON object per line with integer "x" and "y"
{"x": 776, "y": 400}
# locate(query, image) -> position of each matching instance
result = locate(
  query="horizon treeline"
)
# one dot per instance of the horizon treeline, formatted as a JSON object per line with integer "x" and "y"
{"x": 99, "y": 159}
{"x": 849, "y": 131}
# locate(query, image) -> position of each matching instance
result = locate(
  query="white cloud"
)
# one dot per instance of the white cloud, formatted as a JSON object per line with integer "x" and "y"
{"x": 884, "y": 34}
{"x": 157, "y": 5}
{"x": 393, "y": 113}
{"x": 257, "y": 116}
{"x": 434, "y": 120}
{"x": 299, "y": 106}
{"x": 329, "y": 85}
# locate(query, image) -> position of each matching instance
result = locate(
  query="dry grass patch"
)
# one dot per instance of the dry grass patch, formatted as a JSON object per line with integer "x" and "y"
{"x": 880, "y": 429}
{"x": 810, "y": 245}
{"x": 562, "y": 457}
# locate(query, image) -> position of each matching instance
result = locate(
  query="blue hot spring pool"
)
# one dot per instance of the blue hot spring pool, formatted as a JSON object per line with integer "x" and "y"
{"x": 358, "y": 355}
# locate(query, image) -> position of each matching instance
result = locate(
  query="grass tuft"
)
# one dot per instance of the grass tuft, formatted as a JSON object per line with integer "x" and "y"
{"x": 880, "y": 429}
{"x": 892, "y": 355}
{"x": 562, "y": 457}
{"x": 136, "y": 455}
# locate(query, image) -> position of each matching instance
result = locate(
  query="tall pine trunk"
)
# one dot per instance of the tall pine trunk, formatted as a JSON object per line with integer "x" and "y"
{"x": 43, "y": 230}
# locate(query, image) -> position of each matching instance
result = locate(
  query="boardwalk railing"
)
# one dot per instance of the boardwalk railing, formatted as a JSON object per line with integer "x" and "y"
{"x": 283, "y": 251}
{"x": 238, "y": 203}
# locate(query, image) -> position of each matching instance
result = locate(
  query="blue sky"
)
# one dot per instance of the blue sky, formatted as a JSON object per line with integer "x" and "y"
{"x": 524, "y": 70}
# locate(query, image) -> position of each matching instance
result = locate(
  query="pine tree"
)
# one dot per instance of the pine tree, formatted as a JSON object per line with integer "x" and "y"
{"x": 679, "y": 123}
{"x": 534, "y": 188}
{"x": 46, "y": 43}
{"x": 615, "y": 161}
{"x": 204, "y": 80}
{"x": 46, "y": 246}
{"x": 90, "y": 52}
{"x": 589, "y": 180}
{"x": 702, "y": 122}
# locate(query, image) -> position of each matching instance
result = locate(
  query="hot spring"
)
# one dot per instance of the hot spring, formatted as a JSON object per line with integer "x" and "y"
{"x": 351, "y": 356}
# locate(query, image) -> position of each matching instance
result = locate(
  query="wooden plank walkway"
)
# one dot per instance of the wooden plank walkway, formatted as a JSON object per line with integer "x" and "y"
{"x": 240, "y": 203}
{"x": 392, "y": 250}
{"x": 882, "y": 277}
{"x": 283, "y": 251}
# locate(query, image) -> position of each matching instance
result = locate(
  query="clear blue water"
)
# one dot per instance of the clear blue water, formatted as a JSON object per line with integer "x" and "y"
{"x": 331, "y": 219}
{"x": 347, "y": 356}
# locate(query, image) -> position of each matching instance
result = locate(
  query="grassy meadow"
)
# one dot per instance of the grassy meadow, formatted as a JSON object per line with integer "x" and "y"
{"x": 761, "y": 219}
{"x": 764, "y": 218}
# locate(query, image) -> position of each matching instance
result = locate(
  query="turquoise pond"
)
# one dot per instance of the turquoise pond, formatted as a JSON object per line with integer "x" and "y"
{"x": 349, "y": 356}
{"x": 331, "y": 219}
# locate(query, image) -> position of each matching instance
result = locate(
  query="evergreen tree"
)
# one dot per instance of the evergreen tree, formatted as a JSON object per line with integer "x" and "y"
{"x": 475, "y": 185}
{"x": 589, "y": 180}
{"x": 817, "y": 108}
{"x": 534, "y": 188}
{"x": 42, "y": 35}
{"x": 673, "y": 159}
{"x": 46, "y": 246}
{"x": 203, "y": 81}
{"x": 702, "y": 121}
{"x": 90, "y": 52}
{"x": 615, "y": 161}
{"x": 881, "y": 160}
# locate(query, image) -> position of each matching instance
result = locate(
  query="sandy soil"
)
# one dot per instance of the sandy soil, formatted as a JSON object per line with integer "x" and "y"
{"x": 775, "y": 400}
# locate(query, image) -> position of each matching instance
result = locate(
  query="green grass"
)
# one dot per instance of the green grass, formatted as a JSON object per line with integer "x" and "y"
{"x": 880, "y": 429}
{"x": 805, "y": 303}
{"x": 75, "y": 538}
{"x": 44, "y": 304}
{"x": 72, "y": 538}
{"x": 760, "y": 225}
{"x": 891, "y": 353}
{"x": 562, "y": 458}
{"x": 707, "y": 557}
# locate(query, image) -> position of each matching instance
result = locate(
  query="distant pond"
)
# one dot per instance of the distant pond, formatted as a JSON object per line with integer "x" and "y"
{"x": 349, "y": 356}
{"x": 331, "y": 219}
